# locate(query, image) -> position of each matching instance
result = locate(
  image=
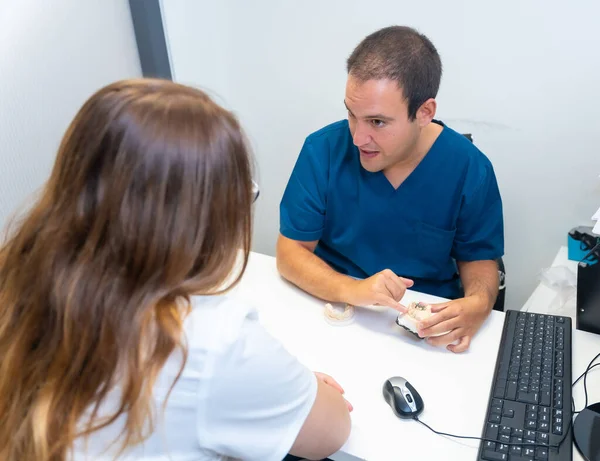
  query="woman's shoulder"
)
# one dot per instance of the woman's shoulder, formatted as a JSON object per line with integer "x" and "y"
{"x": 215, "y": 323}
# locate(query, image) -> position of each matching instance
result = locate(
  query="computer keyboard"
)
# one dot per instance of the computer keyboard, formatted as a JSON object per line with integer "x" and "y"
{"x": 529, "y": 409}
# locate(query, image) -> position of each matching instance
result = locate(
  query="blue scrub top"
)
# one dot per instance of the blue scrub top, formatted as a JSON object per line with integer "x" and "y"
{"x": 447, "y": 210}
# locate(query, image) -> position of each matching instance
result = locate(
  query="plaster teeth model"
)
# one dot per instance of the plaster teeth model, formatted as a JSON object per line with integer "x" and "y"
{"x": 337, "y": 315}
{"x": 416, "y": 311}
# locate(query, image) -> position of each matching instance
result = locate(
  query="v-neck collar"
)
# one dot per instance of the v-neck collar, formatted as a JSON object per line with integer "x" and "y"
{"x": 383, "y": 184}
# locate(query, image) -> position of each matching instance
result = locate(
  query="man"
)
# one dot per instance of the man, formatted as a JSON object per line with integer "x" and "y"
{"x": 391, "y": 198}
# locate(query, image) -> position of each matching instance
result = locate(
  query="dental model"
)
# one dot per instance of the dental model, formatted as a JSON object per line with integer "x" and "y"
{"x": 416, "y": 312}
{"x": 339, "y": 316}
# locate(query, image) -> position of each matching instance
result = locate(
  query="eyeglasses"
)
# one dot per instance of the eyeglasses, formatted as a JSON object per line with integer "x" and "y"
{"x": 255, "y": 191}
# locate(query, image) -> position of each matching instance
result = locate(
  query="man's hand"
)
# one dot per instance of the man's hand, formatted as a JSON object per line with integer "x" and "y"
{"x": 384, "y": 289}
{"x": 333, "y": 383}
{"x": 460, "y": 317}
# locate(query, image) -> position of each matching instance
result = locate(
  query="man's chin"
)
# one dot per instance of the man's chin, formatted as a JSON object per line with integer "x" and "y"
{"x": 371, "y": 167}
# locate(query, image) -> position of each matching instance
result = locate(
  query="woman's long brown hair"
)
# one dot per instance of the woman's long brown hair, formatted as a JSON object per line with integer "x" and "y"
{"x": 149, "y": 202}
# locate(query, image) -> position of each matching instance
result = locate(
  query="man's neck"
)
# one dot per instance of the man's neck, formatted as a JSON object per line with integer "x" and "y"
{"x": 398, "y": 172}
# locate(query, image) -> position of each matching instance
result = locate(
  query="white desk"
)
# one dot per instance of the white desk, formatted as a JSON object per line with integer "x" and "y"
{"x": 361, "y": 356}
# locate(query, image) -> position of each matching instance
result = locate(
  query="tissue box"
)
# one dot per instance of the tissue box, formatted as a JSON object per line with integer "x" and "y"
{"x": 580, "y": 241}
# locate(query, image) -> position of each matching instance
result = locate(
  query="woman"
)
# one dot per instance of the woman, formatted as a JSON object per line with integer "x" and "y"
{"x": 116, "y": 340}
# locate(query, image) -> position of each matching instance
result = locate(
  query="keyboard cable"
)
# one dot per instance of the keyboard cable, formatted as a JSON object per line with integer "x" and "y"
{"x": 583, "y": 375}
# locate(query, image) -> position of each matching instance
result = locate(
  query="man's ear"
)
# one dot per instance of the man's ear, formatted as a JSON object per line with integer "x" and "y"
{"x": 426, "y": 113}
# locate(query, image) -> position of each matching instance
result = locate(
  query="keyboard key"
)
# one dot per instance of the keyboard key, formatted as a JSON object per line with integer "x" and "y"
{"x": 497, "y": 402}
{"x": 511, "y": 390}
{"x": 529, "y": 435}
{"x": 541, "y": 453}
{"x": 504, "y": 439}
{"x": 545, "y": 397}
{"x": 543, "y": 427}
{"x": 531, "y": 424}
{"x": 502, "y": 448}
{"x": 494, "y": 456}
{"x": 494, "y": 418}
{"x": 515, "y": 450}
{"x": 531, "y": 415}
{"x": 559, "y": 355}
{"x": 542, "y": 438}
{"x": 557, "y": 429}
{"x": 545, "y": 387}
{"x": 517, "y": 432}
{"x": 505, "y": 430}
{"x": 499, "y": 391}
{"x": 557, "y": 388}
{"x": 559, "y": 371}
{"x": 490, "y": 446}
{"x": 528, "y": 397}
{"x": 529, "y": 452}
{"x": 508, "y": 413}
{"x": 491, "y": 431}
{"x": 497, "y": 410}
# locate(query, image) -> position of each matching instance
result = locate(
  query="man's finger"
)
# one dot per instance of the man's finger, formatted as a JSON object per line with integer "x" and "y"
{"x": 435, "y": 308}
{"x": 440, "y": 317}
{"x": 408, "y": 282}
{"x": 446, "y": 339}
{"x": 462, "y": 346}
{"x": 394, "y": 287}
{"x": 442, "y": 327}
{"x": 402, "y": 282}
{"x": 383, "y": 300}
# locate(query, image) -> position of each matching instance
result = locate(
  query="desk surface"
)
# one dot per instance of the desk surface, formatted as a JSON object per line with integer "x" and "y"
{"x": 361, "y": 356}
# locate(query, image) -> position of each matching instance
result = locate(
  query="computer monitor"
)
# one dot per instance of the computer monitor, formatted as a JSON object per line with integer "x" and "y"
{"x": 588, "y": 292}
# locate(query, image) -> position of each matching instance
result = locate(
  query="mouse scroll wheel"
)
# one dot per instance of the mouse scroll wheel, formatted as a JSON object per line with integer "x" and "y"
{"x": 409, "y": 398}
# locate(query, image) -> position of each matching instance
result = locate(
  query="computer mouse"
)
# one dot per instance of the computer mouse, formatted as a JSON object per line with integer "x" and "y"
{"x": 402, "y": 397}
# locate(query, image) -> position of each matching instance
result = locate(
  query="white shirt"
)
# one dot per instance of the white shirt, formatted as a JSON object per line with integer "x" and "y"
{"x": 241, "y": 394}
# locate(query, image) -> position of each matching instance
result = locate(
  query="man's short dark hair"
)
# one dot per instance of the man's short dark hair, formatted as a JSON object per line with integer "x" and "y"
{"x": 401, "y": 54}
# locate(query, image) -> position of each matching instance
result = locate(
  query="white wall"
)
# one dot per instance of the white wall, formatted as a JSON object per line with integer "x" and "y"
{"x": 521, "y": 76}
{"x": 53, "y": 56}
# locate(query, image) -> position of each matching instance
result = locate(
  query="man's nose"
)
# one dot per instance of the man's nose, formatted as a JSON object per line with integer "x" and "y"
{"x": 360, "y": 137}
